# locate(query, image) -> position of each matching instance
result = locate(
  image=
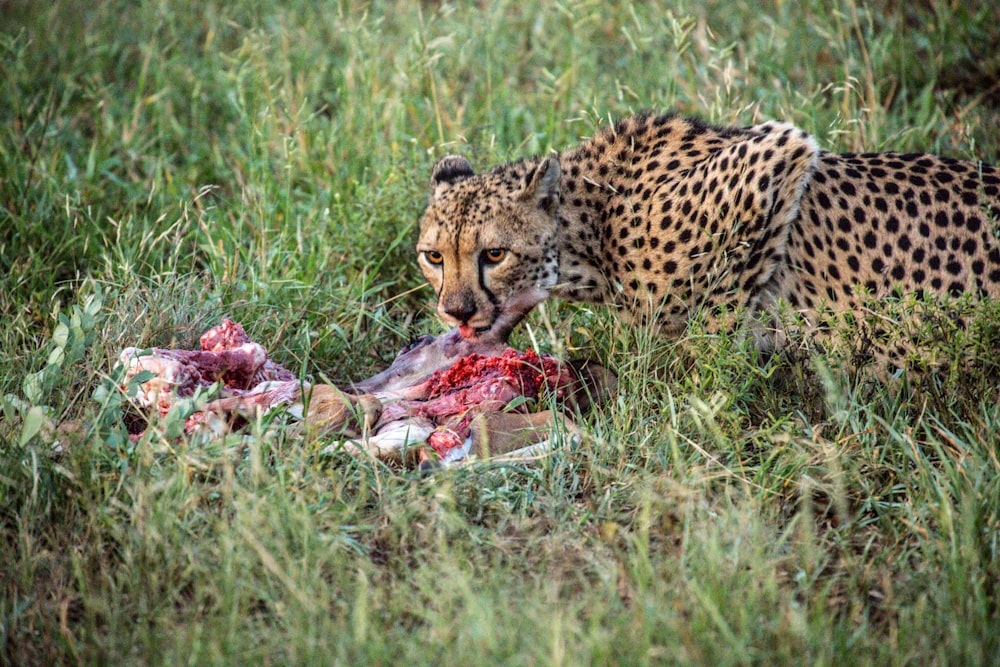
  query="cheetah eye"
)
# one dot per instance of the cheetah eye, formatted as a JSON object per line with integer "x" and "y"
{"x": 494, "y": 255}
{"x": 434, "y": 257}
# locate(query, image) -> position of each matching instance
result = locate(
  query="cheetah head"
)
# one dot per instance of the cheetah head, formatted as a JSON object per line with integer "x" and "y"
{"x": 489, "y": 243}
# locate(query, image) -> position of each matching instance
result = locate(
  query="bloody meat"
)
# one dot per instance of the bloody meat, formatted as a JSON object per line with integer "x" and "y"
{"x": 436, "y": 381}
{"x": 227, "y": 356}
{"x": 475, "y": 384}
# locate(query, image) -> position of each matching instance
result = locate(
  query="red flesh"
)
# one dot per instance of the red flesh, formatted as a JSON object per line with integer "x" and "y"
{"x": 476, "y": 384}
{"x": 229, "y": 357}
{"x": 450, "y": 398}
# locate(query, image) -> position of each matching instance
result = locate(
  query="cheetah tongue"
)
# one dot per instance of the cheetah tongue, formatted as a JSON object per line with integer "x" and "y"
{"x": 466, "y": 331}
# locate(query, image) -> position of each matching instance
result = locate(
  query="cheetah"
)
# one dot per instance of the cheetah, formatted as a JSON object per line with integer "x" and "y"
{"x": 667, "y": 216}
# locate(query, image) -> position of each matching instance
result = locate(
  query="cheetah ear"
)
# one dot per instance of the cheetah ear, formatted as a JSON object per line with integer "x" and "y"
{"x": 544, "y": 185}
{"x": 449, "y": 170}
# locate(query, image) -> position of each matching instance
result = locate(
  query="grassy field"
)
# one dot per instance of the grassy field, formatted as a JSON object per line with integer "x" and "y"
{"x": 164, "y": 164}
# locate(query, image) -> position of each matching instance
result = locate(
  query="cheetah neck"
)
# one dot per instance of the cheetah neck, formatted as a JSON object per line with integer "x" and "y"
{"x": 586, "y": 198}
{"x": 601, "y": 196}
{"x": 669, "y": 213}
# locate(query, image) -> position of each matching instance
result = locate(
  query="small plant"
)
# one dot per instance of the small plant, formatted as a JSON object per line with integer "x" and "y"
{"x": 72, "y": 336}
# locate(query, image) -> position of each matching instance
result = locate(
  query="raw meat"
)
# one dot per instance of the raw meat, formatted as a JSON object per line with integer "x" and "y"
{"x": 476, "y": 384}
{"x": 437, "y": 391}
{"x": 248, "y": 379}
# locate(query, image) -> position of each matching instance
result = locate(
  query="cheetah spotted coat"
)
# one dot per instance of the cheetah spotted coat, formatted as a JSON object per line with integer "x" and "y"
{"x": 668, "y": 216}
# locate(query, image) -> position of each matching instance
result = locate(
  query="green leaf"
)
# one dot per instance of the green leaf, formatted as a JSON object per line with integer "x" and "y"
{"x": 33, "y": 423}
{"x": 12, "y": 406}
{"x": 142, "y": 376}
{"x": 34, "y": 387}
{"x": 56, "y": 357}
{"x": 60, "y": 337}
{"x": 101, "y": 393}
{"x": 93, "y": 303}
{"x": 138, "y": 379}
{"x": 517, "y": 402}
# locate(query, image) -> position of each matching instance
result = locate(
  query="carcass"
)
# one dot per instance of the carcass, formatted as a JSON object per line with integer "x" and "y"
{"x": 444, "y": 399}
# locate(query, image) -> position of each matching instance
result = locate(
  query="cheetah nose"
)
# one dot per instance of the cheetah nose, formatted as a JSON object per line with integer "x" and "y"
{"x": 462, "y": 312}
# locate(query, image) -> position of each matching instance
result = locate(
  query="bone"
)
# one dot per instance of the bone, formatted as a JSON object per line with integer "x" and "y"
{"x": 421, "y": 358}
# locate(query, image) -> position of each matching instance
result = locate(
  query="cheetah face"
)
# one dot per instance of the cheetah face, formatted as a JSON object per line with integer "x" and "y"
{"x": 489, "y": 243}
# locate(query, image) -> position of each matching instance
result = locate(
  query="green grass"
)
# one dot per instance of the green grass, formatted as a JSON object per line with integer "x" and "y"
{"x": 165, "y": 164}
